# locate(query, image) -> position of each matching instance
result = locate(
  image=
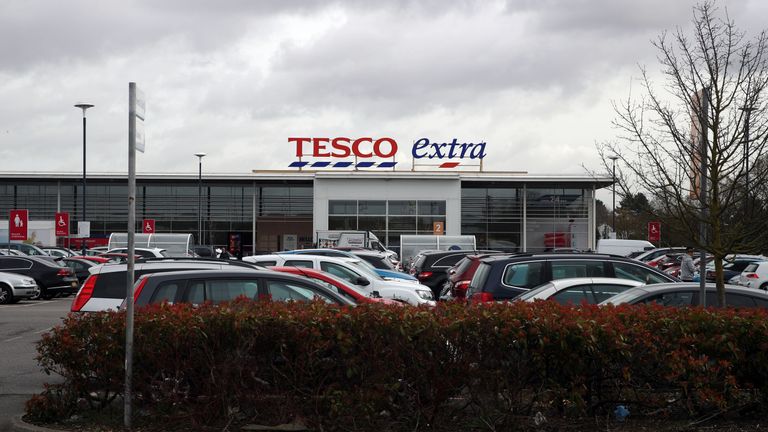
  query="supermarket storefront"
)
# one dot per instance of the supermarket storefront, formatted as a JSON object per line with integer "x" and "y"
{"x": 273, "y": 210}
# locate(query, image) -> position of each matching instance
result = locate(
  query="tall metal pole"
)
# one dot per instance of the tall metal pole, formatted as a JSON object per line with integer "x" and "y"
{"x": 84, "y": 106}
{"x": 199, "y": 197}
{"x": 127, "y": 401}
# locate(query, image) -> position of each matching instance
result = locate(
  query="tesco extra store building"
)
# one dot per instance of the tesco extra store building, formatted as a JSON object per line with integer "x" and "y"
{"x": 328, "y": 189}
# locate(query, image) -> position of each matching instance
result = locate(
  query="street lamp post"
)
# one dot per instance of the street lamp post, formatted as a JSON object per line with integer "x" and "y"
{"x": 747, "y": 113}
{"x": 83, "y": 106}
{"x": 613, "y": 208}
{"x": 199, "y": 197}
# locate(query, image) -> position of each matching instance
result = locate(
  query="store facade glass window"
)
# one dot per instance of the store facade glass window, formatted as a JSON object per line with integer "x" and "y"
{"x": 494, "y": 215}
{"x": 557, "y": 218}
{"x": 387, "y": 220}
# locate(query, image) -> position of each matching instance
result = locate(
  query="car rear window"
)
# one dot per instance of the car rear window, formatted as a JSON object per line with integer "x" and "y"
{"x": 462, "y": 266}
{"x": 525, "y": 275}
{"x": 448, "y": 261}
{"x": 479, "y": 279}
{"x": 751, "y": 268}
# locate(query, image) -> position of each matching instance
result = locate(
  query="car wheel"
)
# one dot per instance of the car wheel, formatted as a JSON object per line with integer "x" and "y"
{"x": 764, "y": 286}
{"x": 6, "y": 295}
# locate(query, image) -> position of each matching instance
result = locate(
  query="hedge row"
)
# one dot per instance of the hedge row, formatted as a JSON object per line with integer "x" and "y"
{"x": 395, "y": 368}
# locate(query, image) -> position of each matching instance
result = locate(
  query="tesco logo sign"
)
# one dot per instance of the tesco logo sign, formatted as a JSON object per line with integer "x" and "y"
{"x": 345, "y": 147}
{"x": 382, "y": 148}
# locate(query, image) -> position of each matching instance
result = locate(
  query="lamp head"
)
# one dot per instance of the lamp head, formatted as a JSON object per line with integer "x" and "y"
{"x": 200, "y": 155}
{"x": 83, "y": 106}
{"x": 613, "y": 157}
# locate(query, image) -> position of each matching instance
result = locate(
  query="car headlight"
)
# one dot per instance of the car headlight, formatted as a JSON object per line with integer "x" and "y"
{"x": 426, "y": 295}
{"x": 29, "y": 281}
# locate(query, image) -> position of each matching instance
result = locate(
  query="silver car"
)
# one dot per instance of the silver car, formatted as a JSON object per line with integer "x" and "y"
{"x": 683, "y": 294}
{"x": 15, "y": 287}
{"x": 578, "y": 290}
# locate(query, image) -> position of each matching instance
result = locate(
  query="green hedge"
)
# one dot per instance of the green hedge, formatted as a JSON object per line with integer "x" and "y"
{"x": 402, "y": 367}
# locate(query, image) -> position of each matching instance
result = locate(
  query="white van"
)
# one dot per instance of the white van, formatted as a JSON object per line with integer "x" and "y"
{"x": 623, "y": 247}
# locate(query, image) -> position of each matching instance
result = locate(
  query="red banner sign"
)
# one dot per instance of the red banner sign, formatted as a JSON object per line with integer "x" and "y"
{"x": 17, "y": 225}
{"x": 62, "y": 224}
{"x": 148, "y": 226}
{"x": 654, "y": 231}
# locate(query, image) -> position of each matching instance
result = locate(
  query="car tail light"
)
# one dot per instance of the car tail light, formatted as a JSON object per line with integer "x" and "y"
{"x": 424, "y": 275}
{"x": 460, "y": 289}
{"x": 138, "y": 288}
{"x": 85, "y": 293}
{"x": 64, "y": 272}
{"x": 482, "y": 297}
{"x": 752, "y": 276}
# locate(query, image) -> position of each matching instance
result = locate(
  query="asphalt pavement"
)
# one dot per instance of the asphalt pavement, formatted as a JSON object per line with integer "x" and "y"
{"x": 21, "y": 325}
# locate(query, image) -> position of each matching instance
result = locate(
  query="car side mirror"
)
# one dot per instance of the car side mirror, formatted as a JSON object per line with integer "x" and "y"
{"x": 362, "y": 281}
{"x": 375, "y": 294}
{"x": 452, "y": 271}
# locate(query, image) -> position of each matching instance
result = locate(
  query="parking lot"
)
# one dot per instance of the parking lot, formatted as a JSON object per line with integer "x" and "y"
{"x": 21, "y": 325}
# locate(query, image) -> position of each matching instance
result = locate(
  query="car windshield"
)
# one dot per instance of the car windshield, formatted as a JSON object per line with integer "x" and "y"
{"x": 533, "y": 292}
{"x": 338, "y": 281}
{"x": 624, "y": 297}
{"x": 360, "y": 264}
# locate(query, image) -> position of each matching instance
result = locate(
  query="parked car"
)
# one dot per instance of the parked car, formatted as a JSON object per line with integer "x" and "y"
{"x": 575, "y": 291}
{"x": 337, "y": 285}
{"x": 353, "y": 271}
{"x": 733, "y": 266}
{"x": 142, "y": 252}
{"x": 106, "y": 287}
{"x": 217, "y": 286}
{"x": 649, "y": 255}
{"x": 755, "y": 275}
{"x": 58, "y": 252}
{"x": 431, "y": 267}
{"x": 27, "y": 249}
{"x": 51, "y": 278}
{"x": 80, "y": 267}
{"x": 93, "y": 259}
{"x": 15, "y": 287}
{"x": 504, "y": 278}
{"x": 96, "y": 250}
{"x": 461, "y": 274}
{"x": 383, "y": 271}
{"x": 687, "y": 294}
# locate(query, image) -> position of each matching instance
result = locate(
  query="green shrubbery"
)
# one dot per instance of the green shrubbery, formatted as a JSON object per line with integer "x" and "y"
{"x": 401, "y": 367}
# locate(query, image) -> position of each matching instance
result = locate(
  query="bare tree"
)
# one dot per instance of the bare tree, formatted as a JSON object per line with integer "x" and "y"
{"x": 720, "y": 69}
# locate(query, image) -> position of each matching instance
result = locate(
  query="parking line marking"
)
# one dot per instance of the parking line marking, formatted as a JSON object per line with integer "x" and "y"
{"x": 13, "y": 339}
{"x": 43, "y": 330}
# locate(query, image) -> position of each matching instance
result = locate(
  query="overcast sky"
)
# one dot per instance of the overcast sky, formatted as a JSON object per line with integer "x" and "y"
{"x": 534, "y": 79}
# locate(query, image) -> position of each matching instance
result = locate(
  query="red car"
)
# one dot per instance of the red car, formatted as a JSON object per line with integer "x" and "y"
{"x": 94, "y": 259}
{"x": 461, "y": 274}
{"x": 335, "y": 284}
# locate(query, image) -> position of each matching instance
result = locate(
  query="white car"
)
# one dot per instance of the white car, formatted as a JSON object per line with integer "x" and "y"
{"x": 14, "y": 287}
{"x": 755, "y": 275}
{"x": 577, "y": 290}
{"x": 354, "y": 271}
{"x": 143, "y": 252}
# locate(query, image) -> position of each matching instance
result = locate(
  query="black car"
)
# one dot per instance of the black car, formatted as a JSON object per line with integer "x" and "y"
{"x": 431, "y": 267}
{"x": 506, "y": 277}
{"x": 80, "y": 267}
{"x": 216, "y": 286}
{"x": 52, "y": 278}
